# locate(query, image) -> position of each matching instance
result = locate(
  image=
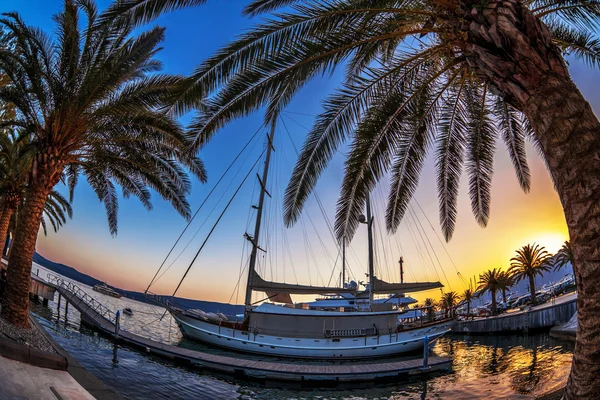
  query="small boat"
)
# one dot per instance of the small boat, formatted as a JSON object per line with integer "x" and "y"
{"x": 127, "y": 311}
{"x": 104, "y": 289}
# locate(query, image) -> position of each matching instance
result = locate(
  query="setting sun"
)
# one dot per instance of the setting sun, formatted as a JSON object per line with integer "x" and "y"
{"x": 551, "y": 241}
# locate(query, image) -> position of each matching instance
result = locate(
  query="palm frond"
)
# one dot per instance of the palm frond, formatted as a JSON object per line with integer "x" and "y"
{"x": 139, "y": 12}
{"x": 451, "y": 141}
{"x": 513, "y": 134}
{"x": 480, "y": 152}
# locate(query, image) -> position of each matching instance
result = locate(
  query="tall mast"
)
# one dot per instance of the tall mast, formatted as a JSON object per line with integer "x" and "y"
{"x": 401, "y": 262}
{"x": 370, "y": 241}
{"x": 343, "y": 261}
{"x": 261, "y": 202}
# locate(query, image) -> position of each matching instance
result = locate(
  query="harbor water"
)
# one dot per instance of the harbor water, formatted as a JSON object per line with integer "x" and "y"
{"x": 511, "y": 366}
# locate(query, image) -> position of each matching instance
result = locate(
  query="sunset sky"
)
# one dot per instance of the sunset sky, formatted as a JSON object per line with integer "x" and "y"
{"x": 130, "y": 259}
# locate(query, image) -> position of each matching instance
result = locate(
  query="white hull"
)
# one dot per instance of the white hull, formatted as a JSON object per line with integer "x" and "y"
{"x": 322, "y": 348}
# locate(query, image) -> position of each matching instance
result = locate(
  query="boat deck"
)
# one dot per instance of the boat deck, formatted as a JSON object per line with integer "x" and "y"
{"x": 239, "y": 366}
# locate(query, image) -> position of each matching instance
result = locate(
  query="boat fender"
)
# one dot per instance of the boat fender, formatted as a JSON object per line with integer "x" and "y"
{"x": 222, "y": 316}
{"x": 212, "y": 317}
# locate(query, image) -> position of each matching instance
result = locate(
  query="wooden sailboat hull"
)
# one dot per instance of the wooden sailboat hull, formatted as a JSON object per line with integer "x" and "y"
{"x": 313, "y": 348}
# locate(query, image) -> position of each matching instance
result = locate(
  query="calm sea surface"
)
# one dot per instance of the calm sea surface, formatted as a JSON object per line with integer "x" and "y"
{"x": 515, "y": 367}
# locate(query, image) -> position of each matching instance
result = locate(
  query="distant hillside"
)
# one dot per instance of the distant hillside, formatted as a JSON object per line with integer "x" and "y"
{"x": 72, "y": 273}
{"x": 208, "y": 306}
{"x": 65, "y": 270}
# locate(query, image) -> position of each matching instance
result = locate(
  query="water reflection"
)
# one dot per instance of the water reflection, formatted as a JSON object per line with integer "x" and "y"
{"x": 516, "y": 367}
{"x": 528, "y": 365}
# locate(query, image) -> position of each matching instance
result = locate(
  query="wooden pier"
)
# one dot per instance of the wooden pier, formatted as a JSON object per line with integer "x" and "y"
{"x": 539, "y": 318}
{"x": 102, "y": 319}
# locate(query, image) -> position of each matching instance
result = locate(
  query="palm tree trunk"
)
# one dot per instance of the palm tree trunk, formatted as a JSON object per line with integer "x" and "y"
{"x": 7, "y": 213}
{"x": 532, "y": 288}
{"x": 504, "y": 295}
{"x": 468, "y": 309}
{"x": 493, "y": 302}
{"x": 513, "y": 50}
{"x": 15, "y": 304}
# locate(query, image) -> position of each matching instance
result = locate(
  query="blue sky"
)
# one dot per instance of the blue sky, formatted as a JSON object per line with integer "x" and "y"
{"x": 130, "y": 259}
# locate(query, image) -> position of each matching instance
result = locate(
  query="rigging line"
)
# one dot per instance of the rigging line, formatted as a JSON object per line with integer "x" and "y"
{"x": 434, "y": 252}
{"x": 202, "y": 204}
{"x": 216, "y": 223}
{"x": 440, "y": 240}
{"x": 298, "y": 113}
{"x": 237, "y": 285}
{"x": 205, "y": 220}
{"x": 333, "y": 271}
{"x": 319, "y": 203}
{"x": 420, "y": 251}
{"x": 380, "y": 206}
{"x": 289, "y": 251}
{"x": 315, "y": 194}
{"x": 317, "y": 198}
{"x": 427, "y": 248}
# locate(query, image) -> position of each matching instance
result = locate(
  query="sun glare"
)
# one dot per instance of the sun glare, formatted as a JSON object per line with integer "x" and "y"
{"x": 551, "y": 241}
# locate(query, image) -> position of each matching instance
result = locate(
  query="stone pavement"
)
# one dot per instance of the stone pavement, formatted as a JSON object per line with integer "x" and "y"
{"x": 20, "y": 381}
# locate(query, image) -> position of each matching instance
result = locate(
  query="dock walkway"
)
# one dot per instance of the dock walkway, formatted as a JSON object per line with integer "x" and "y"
{"x": 103, "y": 320}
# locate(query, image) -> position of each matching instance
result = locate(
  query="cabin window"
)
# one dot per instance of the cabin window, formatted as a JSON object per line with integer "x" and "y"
{"x": 336, "y": 340}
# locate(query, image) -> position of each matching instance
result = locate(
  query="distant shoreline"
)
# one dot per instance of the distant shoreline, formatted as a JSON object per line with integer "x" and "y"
{"x": 72, "y": 273}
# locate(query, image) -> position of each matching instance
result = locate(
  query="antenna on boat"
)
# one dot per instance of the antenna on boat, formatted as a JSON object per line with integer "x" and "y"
{"x": 369, "y": 221}
{"x": 259, "y": 207}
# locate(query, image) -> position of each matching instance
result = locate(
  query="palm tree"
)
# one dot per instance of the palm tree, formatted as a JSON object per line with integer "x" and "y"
{"x": 448, "y": 302}
{"x": 489, "y": 283}
{"x": 94, "y": 104}
{"x": 448, "y": 75}
{"x": 430, "y": 305}
{"x": 56, "y": 211}
{"x": 531, "y": 260}
{"x": 505, "y": 281}
{"x": 16, "y": 159}
{"x": 468, "y": 297}
{"x": 564, "y": 256}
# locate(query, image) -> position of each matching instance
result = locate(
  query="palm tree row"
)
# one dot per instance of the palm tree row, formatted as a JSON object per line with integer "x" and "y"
{"x": 529, "y": 262}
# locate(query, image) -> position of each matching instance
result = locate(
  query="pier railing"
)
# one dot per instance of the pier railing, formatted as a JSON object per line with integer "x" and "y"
{"x": 83, "y": 296}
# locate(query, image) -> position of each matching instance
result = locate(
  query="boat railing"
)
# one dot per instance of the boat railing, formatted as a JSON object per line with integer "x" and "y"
{"x": 83, "y": 296}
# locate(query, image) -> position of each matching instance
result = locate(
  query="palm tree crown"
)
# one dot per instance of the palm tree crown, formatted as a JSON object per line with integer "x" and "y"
{"x": 449, "y": 301}
{"x": 530, "y": 261}
{"x": 93, "y": 109}
{"x": 505, "y": 281}
{"x": 564, "y": 256}
{"x": 467, "y": 297}
{"x": 412, "y": 83}
{"x": 489, "y": 282}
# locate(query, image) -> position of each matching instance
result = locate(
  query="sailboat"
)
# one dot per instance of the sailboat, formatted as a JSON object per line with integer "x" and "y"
{"x": 344, "y": 323}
